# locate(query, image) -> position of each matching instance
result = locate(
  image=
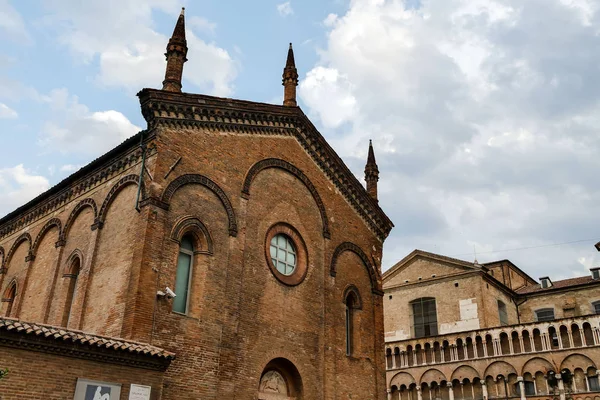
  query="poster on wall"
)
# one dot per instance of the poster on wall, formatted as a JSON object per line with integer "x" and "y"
{"x": 139, "y": 392}
{"x": 94, "y": 390}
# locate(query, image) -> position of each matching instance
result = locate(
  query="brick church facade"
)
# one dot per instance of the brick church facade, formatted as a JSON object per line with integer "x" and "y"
{"x": 241, "y": 210}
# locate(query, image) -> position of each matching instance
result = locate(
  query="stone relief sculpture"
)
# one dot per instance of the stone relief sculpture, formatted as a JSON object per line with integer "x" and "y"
{"x": 273, "y": 382}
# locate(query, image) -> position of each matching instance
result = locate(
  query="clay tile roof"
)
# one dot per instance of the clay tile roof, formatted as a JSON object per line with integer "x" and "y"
{"x": 78, "y": 337}
{"x": 565, "y": 283}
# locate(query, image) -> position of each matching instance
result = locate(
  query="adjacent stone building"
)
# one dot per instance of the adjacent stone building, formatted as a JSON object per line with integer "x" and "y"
{"x": 460, "y": 330}
{"x": 225, "y": 252}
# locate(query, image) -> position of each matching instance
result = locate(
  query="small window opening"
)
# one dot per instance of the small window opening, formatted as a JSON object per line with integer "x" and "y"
{"x": 71, "y": 289}
{"x": 351, "y": 306}
{"x": 9, "y": 299}
{"x": 184, "y": 274}
{"x": 502, "y": 313}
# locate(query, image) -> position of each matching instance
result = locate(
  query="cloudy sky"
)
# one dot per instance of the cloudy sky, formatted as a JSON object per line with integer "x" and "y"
{"x": 485, "y": 114}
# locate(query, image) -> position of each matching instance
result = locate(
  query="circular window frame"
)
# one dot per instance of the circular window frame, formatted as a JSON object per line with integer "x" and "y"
{"x": 298, "y": 275}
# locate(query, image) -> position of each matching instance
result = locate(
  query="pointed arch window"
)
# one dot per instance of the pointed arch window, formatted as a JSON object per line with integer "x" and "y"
{"x": 9, "y": 298}
{"x": 72, "y": 276}
{"x": 184, "y": 274}
{"x": 424, "y": 317}
{"x": 352, "y": 304}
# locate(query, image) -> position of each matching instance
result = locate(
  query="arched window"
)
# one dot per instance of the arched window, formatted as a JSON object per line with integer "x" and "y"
{"x": 184, "y": 274}
{"x": 72, "y": 287}
{"x": 352, "y": 303}
{"x": 9, "y": 298}
{"x": 424, "y": 317}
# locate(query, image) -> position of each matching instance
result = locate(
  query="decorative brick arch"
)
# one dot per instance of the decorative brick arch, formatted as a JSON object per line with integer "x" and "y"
{"x": 348, "y": 246}
{"x": 286, "y": 166}
{"x": 193, "y": 225}
{"x": 2, "y": 256}
{"x": 112, "y": 194}
{"x": 206, "y": 182}
{"x": 25, "y": 237}
{"x": 12, "y": 286}
{"x": 89, "y": 202}
{"x": 351, "y": 289}
{"x": 54, "y": 222}
{"x": 75, "y": 254}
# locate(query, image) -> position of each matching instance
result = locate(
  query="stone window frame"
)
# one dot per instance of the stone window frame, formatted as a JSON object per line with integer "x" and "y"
{"x": 299, "y": 273}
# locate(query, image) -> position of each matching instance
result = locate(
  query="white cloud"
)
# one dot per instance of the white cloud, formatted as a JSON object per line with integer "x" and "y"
{"x": 70, "y": 168}
{"x": 330, "y": 20}
{"x": 18, "y": 186}
{"x": 131, "y": 52}
{"x": 74, "y": 128}
{"x": 484, "y": 124}
{"x": 7, "y": 112}
{"x": 285, "y": 9}
{"x": 12, "y": 23}
{"x": 329, "y": 94}
{"x": 201, "y": 24}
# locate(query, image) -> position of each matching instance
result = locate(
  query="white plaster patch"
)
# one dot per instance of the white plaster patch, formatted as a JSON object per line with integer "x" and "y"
{"x": 392, "y": 336}
{"x": 468, "y": 318}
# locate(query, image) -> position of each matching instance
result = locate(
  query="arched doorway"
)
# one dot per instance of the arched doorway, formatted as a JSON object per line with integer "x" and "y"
{"x": 280, "y": 380}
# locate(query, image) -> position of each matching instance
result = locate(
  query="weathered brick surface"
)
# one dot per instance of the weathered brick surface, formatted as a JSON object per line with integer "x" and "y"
{"x": 35, "y": 375}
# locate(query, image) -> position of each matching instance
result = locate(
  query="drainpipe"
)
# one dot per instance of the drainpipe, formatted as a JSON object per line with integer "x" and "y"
{"x": 144, "y": 149}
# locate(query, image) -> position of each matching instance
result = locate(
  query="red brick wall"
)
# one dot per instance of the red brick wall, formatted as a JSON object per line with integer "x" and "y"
{"x": 36, "y": 375}
{"x": 37, "y": 292}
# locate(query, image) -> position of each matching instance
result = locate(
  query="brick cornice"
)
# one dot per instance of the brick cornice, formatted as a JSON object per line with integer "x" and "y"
{"x": 183, "y": 110}
{"x": 89, "y": 177}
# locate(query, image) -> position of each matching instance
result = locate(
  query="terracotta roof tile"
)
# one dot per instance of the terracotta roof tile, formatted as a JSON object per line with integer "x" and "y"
{"x": 78, "y": 337}
{"x": 565, "y": 283}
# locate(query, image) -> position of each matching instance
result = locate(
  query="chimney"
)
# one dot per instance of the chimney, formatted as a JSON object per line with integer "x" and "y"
{"x": 545, "y": 282}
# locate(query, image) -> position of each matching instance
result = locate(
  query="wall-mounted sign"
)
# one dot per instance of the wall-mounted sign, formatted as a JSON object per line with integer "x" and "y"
{"x": 94, "y": 390}
{"x": 139, "y": 392}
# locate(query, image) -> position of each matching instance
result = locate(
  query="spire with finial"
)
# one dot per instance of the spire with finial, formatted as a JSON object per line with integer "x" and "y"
{"x": 371, "y": 172}
{"x": 176, "y": 55}
{"x": 290, "y": 80}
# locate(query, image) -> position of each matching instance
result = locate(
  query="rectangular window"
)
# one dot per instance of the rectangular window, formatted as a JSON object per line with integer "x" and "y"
{"x": 502, "y": 313}
{"x": 545, "y": 314}
{"x": 596, "y": 307}
{"x": 529, "y": 388}
{"x": 424, "y": 317}
{"x": 593, "y": 382}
